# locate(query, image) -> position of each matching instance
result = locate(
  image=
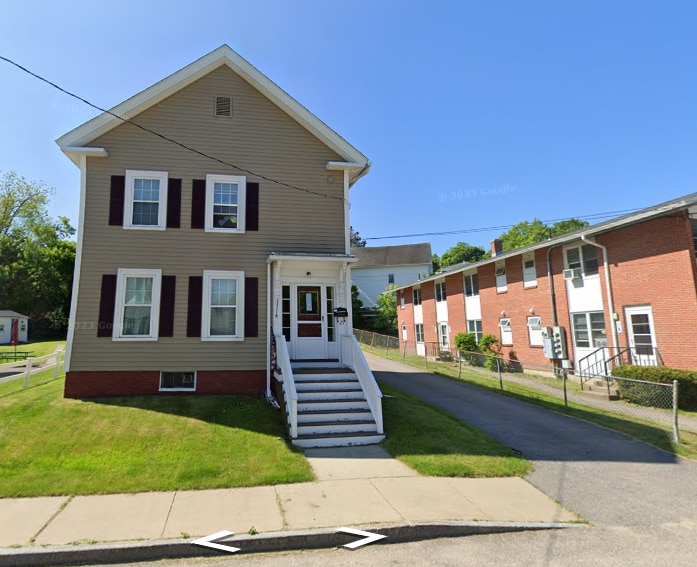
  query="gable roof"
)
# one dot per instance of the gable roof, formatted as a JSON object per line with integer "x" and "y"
{"x": 688, "y": 202}
{"x": 75, "y": 140}
{"x": 13, "y": 314}
{"x": 402, "y": 255}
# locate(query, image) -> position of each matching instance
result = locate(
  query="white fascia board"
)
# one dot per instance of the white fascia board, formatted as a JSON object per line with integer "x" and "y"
{"x": 309, "y": 257}
{"x": 224, "y": 55}
{"x": 343, "y": 165}
{"x": 75, "y": 152}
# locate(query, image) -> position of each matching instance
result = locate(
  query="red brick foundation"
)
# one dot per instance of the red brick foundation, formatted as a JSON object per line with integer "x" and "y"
{"x": 102, "y": 384}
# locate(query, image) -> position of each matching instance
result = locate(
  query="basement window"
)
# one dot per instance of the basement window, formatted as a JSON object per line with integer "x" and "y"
{"x": 223, "y": 106}
{"x": 177, "y": 381}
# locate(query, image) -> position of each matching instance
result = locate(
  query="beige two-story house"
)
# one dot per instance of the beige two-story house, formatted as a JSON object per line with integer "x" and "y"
{"x": 213, "y": 246}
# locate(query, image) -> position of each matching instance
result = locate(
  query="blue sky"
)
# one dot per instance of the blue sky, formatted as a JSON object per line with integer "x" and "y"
{"x": 474, "y": 114}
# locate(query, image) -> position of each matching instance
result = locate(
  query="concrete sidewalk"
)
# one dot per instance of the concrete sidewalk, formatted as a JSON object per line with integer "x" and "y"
{"x": 363, "y": 487}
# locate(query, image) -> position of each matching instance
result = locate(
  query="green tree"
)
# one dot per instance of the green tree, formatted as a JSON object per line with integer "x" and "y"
{"x": 461, "y": 252}
{"x": 435, "y": 260}
{"x": 357, "y": 308}
{"x": 525, "y": 233}
{"x": 386, "y": 312}
{"x": 23, "y": 204}
{"x": 356, "y": 240}
{"x": 566, "y": 226}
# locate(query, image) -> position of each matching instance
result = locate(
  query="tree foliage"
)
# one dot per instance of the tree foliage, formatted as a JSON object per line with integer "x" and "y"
{"x": 525, "y": 233}
{"x": 356, "y": 240}
{"x": 385, "y": 320}
{"x": 357, "y": 308}
{"x": 461, "y": 252}
{"x": 36, "y": 255}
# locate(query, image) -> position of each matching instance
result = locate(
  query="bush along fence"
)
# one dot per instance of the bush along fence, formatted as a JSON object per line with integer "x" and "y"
{"x": 489, "y": 360}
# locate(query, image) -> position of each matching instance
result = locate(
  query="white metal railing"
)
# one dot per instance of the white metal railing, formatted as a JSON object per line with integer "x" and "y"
{"x": 26, "y": 367}
{"x": 290, "y": 393}
{"x": 352, "y": 356}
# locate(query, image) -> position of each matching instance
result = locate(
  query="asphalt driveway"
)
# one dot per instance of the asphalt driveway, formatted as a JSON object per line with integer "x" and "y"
{"x": 606, "y": 477}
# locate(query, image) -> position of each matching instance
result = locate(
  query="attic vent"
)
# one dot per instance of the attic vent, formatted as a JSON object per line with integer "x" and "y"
{"x": 223, "y": 106}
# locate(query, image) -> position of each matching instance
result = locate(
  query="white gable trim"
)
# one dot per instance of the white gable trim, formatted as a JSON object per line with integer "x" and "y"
{"x": 224, "y": 55}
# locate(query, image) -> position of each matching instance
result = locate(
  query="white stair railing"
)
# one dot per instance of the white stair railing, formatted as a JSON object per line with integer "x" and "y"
{"x": 290, "y": 393}
{"x": 352, "y": 356}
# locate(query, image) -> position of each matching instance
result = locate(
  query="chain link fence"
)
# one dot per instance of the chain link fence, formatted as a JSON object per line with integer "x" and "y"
{"x": 653, "y": 402}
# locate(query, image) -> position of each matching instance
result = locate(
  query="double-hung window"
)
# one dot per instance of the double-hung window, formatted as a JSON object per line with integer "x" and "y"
{"x": 419, "y": 332}
{"x": 137, "y": 305}
{"x": 585, "y": 257}
{"x": 474, "y": 326}
{"x": 443, "y": 339}
{"x": 501, "y": 281}
{"x": 223, "y": 306}
{"x": 146, "y": 200}
{"x": 225, "y": 203}
{"x": 529, "y": 271}
{"x": 471, "y": 285}
{"x": 589, "y": 329}
{"x": 440, "y": 291}
{"x": 417, "y": 296}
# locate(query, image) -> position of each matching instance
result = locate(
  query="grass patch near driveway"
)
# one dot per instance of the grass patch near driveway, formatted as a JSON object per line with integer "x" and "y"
{"x": 37, "y": 349}
{"x": 55, "y": 446}
{"x": 435, "y": 443}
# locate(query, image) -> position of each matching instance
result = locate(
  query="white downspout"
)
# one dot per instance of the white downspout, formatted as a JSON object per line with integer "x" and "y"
{"x": 268, "y": 330}
{"x": 608, "y": 287}
{"x": 347, "y": 206}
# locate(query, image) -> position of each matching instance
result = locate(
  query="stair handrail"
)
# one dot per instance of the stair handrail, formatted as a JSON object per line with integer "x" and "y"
{"x": 353, "y": 356}
{"x": 291, "y": 393}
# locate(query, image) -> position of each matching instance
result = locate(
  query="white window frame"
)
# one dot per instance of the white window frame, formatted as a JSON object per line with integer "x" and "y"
{"x": 211, "y": 180}
{"x": 583, "y": 262}
{"x": 192, "y": 389}
{"x": 131, "y": 176}
{"x": 441, "y": 292}
{"x": 402, "y": 300}
{"x": 501, "y": 281}
{"x": 535, "y": 330}
{"x": 122, "y": 275}
{"x": 472, "y": 278}
{"x": 506, "y": 331}
{"x": 419, "y": 332}
{"x": 477, "y": 332}
{"x": 529, "y": 272}
{"x": 416, "y": 296}
{"x": 208, "y": 277}
{"x": 443, "y": 335}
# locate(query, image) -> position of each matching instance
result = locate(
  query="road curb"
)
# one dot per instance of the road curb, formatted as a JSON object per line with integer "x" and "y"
{"x": 273, "y": 541}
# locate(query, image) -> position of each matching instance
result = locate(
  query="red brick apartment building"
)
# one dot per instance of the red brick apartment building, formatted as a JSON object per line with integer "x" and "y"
{"x": 624, "y": 289}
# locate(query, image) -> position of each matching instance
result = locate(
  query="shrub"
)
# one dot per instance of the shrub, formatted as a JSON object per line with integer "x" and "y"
{"x": 466, "y": 344}
{"x": 445, "y": 356}
{"x": 491, "y": 346}
{"x": 687, "y": 384}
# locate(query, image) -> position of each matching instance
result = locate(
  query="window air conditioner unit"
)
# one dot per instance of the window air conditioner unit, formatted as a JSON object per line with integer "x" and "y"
{"x": 572, "y": 274}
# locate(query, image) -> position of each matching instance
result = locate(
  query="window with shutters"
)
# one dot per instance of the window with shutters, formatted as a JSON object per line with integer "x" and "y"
{"x": 145, "y": 202}
{"x": 223, "y": 306}
{"x": 225, "y": 203}
{"x": 137, "y": 305}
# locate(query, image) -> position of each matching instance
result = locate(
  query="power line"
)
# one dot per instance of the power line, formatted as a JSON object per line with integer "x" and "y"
{"x": 167, "y": 138}
{"x": 595, "y": 216}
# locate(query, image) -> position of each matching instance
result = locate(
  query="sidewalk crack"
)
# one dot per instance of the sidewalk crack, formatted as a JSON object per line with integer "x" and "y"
{"x": 32, "y": 539}
{"x": 370, "y": 480}
{"x": 279, "y": 503}
{"x": 171, "y": 505}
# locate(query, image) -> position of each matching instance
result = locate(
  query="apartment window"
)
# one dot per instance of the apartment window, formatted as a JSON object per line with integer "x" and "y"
{"x": 589, "y": 329}
{"x": 390, "y": 279}
{"x": 285, "y": 311}
{"x": 417, "y": 296}
{"x": 443, "y": 340}
{"x": 535, "y": 331}
{"x": 506, "y": 332}
{"x": 501, "y": 282}
{"x": 529, "y": 271}
{"x": 223, "y": 303}
{"x": 585, "y": 257}
{"x": 146, "y": 200}
{"x": 440, "y": 291}
{"x": 137, "y": 304}
{"x": 225, "y": 203}
{"x": 472, "y": 285}
{"x": 474, "y": 326}
{"x": 419, "y": 332}
{"x": 177, "y": 381}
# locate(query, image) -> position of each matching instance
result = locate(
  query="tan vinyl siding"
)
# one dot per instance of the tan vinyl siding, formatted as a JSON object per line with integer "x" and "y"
{"x": 259, "y": 137}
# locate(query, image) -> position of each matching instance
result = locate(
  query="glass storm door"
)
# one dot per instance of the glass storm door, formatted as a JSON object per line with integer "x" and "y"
{"x": 642, "y": 337}
{"x": 309, "y": 320}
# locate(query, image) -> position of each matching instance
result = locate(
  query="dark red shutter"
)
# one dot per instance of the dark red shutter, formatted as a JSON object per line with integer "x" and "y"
{"x": 169, "y": 284}
{"x": 198, "y": 203}
{"x": 116, "y": 199}
{"x": 251, "y": 307}
{"x": 107, "y": 302}
{"x": 193, "y": 317}
{"x": 174, "y": 202}
{"x": 252, "y": 214}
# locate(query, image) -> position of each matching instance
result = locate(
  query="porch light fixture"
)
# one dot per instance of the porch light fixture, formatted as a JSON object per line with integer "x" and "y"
{"x": 309, "y": 274}
{"x": 503, "y": 313}
{"x": 531, "y": 311}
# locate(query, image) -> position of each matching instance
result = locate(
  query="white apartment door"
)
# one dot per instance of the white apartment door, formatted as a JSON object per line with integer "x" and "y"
{"x": 310, "y": 333}
{"x": 642, "y": 336}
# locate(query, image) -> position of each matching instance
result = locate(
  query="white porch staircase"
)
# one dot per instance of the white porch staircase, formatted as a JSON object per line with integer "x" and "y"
{"x": 332, "y": 410}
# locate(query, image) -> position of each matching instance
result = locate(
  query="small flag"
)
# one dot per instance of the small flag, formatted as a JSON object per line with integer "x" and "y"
{"x": 273, "y": 352}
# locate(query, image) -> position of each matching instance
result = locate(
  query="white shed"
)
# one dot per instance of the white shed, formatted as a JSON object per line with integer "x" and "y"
{"x": 6, "y": 318}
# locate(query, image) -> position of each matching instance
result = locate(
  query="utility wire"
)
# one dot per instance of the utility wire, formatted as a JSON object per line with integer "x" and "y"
{"x": 167, "y": 138}
{"x": 502, "y": 227}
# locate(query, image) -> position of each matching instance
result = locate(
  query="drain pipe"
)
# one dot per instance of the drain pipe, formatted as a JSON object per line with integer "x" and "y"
{"x": 269, "y": 330}
{"x": 550, "y": 277}
{"x": 608, "y": 288}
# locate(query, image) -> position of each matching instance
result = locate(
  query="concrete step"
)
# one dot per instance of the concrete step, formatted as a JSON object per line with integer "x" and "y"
{"x": 601, "y": 392}
{"x": 327, "y": 375}
{"x": 338, "y": 440}
{"x": 336, "y": 427}
{"x": 334, "y": 415}
{"x": 342, "y": 394}
{"x": 315, "y": 363}
{"x": 332, "y": 405}
{"x": 327, "y": 385}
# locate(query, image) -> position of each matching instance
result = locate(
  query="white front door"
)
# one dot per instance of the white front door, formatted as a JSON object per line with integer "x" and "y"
{"x": 309, "y": 320}
{"x": 642, "y": 337}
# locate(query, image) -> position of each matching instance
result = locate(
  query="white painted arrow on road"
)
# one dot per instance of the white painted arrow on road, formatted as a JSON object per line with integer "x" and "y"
{"x": 207, "y": 542}
{"x": 369, "y": 537}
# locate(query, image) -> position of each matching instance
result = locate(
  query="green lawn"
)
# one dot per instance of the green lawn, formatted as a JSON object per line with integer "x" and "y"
{"x": 36, "y": 348}
{"x": 435, "y": 443}
{"x": 55, "y": 446}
